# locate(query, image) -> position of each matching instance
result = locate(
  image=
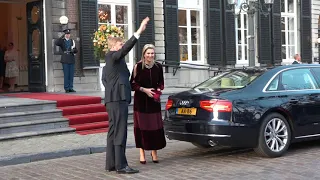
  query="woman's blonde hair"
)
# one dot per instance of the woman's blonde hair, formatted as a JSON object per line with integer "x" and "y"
{"x": 145, "y": 48}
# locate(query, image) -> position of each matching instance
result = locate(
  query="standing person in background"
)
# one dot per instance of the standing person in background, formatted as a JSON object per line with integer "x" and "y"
{"x": 147, "y": 82}
{"x": 117, "y": 98}
{"x": 297, "y": 59}
{"x": 12, "y": 71}
{"x": 69, "y": 49}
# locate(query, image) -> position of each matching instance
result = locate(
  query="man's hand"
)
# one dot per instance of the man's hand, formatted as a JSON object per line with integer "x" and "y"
{"x": 143, "y": 25}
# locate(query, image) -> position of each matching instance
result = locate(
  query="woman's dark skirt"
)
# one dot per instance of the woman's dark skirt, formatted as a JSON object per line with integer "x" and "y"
{"x": 148, "y": 131}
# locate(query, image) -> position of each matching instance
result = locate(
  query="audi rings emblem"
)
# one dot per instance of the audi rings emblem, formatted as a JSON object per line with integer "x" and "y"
{"x": 184, "y": 103}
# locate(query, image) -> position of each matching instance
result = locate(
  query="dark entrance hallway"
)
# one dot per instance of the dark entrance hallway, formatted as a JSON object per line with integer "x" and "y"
{"x": 22, "y": 26}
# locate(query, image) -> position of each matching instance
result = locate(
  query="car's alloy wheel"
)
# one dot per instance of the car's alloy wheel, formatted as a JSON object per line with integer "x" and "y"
{"x": 274, "y": 136}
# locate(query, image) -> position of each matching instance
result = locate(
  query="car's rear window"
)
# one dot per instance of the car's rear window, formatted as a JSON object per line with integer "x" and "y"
{"x": 233, "y": 80}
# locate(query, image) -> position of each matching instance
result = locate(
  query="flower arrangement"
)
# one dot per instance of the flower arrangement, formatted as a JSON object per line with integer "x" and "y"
{"x": 100, "y": 38}
{"x": 103, "y": 16}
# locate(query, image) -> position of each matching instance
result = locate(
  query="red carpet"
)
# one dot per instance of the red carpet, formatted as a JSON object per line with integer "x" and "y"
{"x": 85, "y": 113}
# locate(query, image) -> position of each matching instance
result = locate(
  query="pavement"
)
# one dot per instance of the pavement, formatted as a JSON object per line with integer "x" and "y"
{"x": 38, "y": 148}
{"x": 180, "y": 161}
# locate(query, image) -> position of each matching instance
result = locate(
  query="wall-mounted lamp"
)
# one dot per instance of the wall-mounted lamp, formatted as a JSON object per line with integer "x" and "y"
{"x": 64, "y": 22}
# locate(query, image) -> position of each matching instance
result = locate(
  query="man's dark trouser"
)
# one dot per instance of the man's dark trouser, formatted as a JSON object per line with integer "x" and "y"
{"x": 68, "y": 72}
{"x": 117, "y": 135}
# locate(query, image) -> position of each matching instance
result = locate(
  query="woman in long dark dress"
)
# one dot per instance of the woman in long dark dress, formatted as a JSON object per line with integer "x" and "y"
{"x": 147, "y": 82}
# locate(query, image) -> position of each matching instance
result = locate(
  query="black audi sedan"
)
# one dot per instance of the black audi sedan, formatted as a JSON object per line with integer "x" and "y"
{"x": 263, "y": 109}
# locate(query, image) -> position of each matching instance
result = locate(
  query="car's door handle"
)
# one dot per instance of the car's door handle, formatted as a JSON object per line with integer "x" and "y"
{"x": 293, "y": 101}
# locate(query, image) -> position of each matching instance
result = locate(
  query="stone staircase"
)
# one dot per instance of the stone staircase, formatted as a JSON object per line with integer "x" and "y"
{"x": 32, "y": 118}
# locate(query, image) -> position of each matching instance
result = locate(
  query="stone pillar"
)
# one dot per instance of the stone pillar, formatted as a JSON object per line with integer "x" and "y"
{"x": 58, "y": 9}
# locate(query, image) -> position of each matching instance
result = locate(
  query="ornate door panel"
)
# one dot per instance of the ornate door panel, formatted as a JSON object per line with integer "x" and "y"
{"x": 36, "y": 58}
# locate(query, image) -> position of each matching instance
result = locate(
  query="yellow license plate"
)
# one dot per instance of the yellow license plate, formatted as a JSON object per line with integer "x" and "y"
{"x": 186, "y": 111}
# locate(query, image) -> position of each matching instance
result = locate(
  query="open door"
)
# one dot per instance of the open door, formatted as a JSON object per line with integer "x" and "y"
{"x": 36, "y": 60}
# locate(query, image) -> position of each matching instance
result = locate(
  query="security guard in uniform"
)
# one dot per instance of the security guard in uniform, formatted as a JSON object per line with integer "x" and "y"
{"x": 69, "y": 49}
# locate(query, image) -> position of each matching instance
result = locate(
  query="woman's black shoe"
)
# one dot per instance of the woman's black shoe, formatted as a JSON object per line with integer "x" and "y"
{"x": 154, "y": 161}
{"x": 143, "y": 162}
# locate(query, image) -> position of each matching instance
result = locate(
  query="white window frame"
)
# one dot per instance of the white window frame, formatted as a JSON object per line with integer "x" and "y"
{"x": 195, "y": 5}
{"x": 244, "y": 47}
{"x": 113, "y": 4}
{"x": 286, "y": 14}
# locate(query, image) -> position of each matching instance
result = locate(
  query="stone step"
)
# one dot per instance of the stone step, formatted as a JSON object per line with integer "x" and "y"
{"x": 30, "y": 115}
{"x": 36, "y": 125}
{"x": 26, "y": 106}
{"x": 35, "y": 133}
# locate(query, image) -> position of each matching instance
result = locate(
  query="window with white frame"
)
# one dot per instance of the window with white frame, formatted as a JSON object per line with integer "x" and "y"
{"x": 190, "y": 24}
{"x": 241, "y": 25}
{"x": 117, "y": 13}
{"x": 289, "y": 31}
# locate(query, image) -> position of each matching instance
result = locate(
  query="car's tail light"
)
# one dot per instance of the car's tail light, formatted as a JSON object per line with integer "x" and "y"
{"x": 216, "y": 105}
{"x": 169, "y": 104}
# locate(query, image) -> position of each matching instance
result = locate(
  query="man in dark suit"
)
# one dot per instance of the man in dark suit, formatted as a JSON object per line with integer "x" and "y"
{"x": 69, "y": 49}
{"x": 115, "y": 78}
{"x": 297, "y": 59}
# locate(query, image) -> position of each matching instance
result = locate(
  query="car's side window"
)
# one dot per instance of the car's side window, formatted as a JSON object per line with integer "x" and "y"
{"x": 274, "y": 84}
{"x": 297, "y": 79}
{"x": 316, "y": 73}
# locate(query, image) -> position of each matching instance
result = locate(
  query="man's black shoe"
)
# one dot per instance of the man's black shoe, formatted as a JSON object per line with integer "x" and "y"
{"x": 72, "y": 90}
{"x": 127, "y": 170}
{"x": 112, "y": 169}
{"x": 67, "y": 91}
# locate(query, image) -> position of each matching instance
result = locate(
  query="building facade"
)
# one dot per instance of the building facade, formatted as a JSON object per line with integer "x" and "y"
{"x": 189, "y": 35}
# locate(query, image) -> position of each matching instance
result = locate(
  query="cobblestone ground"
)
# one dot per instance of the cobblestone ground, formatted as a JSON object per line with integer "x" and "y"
{"x": 180, "y": 160}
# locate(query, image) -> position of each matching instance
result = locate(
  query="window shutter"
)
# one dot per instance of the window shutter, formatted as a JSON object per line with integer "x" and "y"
{"x": 88, "y": 25}
{"x": 171, "y": 31}
{"x": 305, "y": 30}
{"x": 214, "y": 32}
{"x": 276, "y": 37}
{"x": 144, "y": 8}
{"x": 230, "y": 36}
{"x": 265, "y": 50}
